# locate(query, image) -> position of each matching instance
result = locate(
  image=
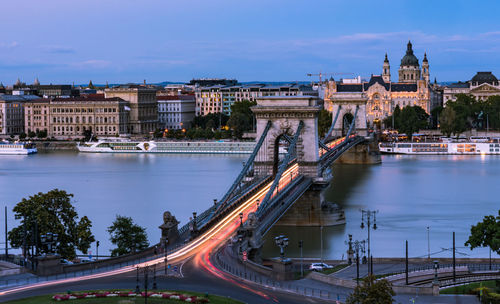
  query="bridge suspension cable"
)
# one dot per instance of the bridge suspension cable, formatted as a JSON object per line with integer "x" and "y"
{"x": 245, "y": 169}
{"x": 353, "y": 123}
{"x": 334, "y": 121}
{"x": 289, "y": 156}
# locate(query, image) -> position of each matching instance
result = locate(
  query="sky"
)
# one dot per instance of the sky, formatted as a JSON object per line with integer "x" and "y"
{"x": 61, "y": 41}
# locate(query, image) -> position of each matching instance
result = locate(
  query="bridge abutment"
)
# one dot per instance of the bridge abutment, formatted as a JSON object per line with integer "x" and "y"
{"x": 366, "y": 153}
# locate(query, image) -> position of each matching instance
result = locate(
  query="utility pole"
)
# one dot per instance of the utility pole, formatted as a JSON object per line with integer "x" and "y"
{"x": 301, "y": 244}
{"x": 454, "y": 272}
{"x": 406, "y": 270}
{"x": 428, "y": 244}
{"x": 369, "y": 215}
{"x": 6, "y": 238}
{"x": 321, "y": 243}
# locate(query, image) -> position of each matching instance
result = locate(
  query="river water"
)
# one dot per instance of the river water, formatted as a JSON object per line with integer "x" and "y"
{"x": 444, "y": 193}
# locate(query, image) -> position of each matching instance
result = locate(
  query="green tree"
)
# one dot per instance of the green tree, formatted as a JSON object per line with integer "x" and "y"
{"x": 158, "y": 133}
{"x": 492, "y": 112}
{"x": 127, "y": 236}
{"x": 372, "y": 292}
{"x": 53, "y": 212}
{"x": 31, "y": 134}
{"x": 87, "y": 134}
{"x": 324, "y": 122}
{"x": 388, "y": 121}
{"x": 447, "y": 121}
{"x": 412, "y": 119}
{"x": 486, "y": 234}
{"x": 41, "y": 134}
{"x": 242, "y": 118}
{"x": 22, "y": 136}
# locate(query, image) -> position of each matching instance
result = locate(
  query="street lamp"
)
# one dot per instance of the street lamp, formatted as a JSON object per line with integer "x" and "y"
{"x": 368, "y": 214}
{"x": 166, "y": 256}
{"x": 436, "y": 267}
{"x": 428, "y": 244}
{"x": 301, "y": 245}
{"x": 49, "y": 239}
{"x": 282, "y": 242}
{"x": 241, "y": 219}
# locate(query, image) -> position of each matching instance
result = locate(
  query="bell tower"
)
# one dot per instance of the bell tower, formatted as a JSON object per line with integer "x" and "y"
{"x": 386, "y": 70}
{"x": 425, "y": 69}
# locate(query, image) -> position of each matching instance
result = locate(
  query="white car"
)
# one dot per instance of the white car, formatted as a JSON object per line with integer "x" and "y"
{"x": 319, "y": 266}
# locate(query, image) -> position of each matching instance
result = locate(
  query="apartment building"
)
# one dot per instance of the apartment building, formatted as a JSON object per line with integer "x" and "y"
{"x": 176, "y": 112}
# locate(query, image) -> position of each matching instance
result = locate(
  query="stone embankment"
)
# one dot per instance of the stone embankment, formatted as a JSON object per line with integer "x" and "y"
{"x": 47, "y": 146}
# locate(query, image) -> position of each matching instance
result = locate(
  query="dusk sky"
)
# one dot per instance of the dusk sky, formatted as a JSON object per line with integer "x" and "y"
{"x": 62, "y": 41}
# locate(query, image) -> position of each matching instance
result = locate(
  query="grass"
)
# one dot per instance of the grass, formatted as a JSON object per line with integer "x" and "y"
{"x": 467, "y": 288}
{"x": 120, "y": 300}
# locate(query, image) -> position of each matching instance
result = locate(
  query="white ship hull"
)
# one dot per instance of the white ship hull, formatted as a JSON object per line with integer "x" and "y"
{"x": 441, "y": 148}
{"x": 105, "y": 146}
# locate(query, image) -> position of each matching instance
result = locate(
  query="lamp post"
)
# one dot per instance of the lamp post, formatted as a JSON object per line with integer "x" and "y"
{"x": 258, "y": 204}
{"x": 6, "y": 237}
{"x": 321, "y": 243}
{"x": 241, "y": 219}
{"x": 301, "y": 245}
{"x": 282, "y": 242}
{"x": 368, "y": 215}
{"x": 436, "y": 267}
{"x": 358, "y": 246}
{"x": 166, "y": 256}
{"x": 428, "y": 244}
{"x": 97, "y": 250}
{"x": 50, "y": 240}
{"x": 137, "y": 289}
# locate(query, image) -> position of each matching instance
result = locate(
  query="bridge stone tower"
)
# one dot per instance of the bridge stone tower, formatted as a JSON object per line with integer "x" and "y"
{"x": 285, "y": 113}
{"x": 348, "y": 103}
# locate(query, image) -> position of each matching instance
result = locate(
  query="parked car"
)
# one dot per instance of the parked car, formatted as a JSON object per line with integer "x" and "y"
{"x": 319, "y": 266}
{"x": 66, "y": 262}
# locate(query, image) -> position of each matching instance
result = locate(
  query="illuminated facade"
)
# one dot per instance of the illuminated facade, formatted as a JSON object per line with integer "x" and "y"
{"x": 412, "y": 89}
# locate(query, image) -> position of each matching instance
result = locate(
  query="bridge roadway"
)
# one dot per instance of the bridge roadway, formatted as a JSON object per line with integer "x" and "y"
{"x": 194, "y": 254}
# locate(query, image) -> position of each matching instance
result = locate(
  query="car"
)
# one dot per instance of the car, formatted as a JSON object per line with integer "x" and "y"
{"x": 66, "y": 262}
{"x": 319, "y": 266}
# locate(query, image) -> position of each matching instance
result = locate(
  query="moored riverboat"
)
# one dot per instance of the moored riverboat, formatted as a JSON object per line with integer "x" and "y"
{"x": 17, "y": 148}
{"x": 445, "y": 148}
{"x": 201, "y": 147}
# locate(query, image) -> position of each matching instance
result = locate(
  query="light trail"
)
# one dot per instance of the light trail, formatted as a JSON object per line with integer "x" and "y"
{"x": 203, "y": 244}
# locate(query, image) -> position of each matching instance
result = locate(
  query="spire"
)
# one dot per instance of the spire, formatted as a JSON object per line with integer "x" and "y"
{"x": 91, "y": 86}
{"x": 435, "y": 80}
{"x": 107, "y": 85}
{"x": 18, "y": 82}
{"x": 37, "y": 82}
{"x": 425, "y": 57}
{"x": 1, "y": 86}
{"x": 386, "y": 60}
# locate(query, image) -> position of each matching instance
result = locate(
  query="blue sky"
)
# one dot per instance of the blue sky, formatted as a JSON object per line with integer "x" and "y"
{"x": 63, "y": 41}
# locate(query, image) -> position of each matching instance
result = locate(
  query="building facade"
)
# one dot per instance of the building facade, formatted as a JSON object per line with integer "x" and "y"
{"x": 12, "y": 113}
{"x": 481, "y": 86}
{"x": 143, "y": 106}
{"x": 412, "y": 88}
{"x": 220, "y": 98}
{"x": 71, "y": 117}
{"x": 176, "y": 112}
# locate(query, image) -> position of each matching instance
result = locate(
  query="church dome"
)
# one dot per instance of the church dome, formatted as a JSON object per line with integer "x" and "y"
{"x": 409, "y": 58}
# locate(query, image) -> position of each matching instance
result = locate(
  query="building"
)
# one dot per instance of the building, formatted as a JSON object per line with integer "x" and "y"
{"x": 176, "y": 112}
{"x": 143, "y": 106}
{"x": 208, "y": 82}
{"x": 12, "y": 113}
{"x": 71, "y": 117}
{"x": 46, "y": 91}
{"x": 220, "y": 98}
{"x": 412, "y": 88}
{"x": 481, "y": 86}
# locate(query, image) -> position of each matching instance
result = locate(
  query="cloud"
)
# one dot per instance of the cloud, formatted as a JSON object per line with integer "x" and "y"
{"x": 92, "y": 63}
{"x": 58, "y": 49}
{"x": 9, "y": 45}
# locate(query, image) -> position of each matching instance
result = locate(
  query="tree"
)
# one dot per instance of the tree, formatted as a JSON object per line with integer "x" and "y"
{"x": 87, "y": 134}
{"x": 41, "y": 134}
{"x": 127, "y": 236}
{"x": 447, "y": 121}
{"x": 22, "y": 136}
{"x": 241, "y": 119}
{"x": 435, "y": 115}
{"x": 324, "y": 122}
{"x": 486, "y": 234}
{"x": 412, "y": 119}
{"x": 389, "y": 121}
{"x": 372, "y": 292}
{"x": 53, "y": 212}
{"x": 31, "y": 134}
{"x": 239, "y": 123}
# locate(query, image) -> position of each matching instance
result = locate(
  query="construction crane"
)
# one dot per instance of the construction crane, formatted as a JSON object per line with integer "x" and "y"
{"x": 320, "y": 74}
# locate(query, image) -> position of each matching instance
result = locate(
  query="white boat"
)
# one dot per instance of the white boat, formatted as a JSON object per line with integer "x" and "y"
{"x": 17, "y": 148}
{"x": 202, "y": 147}
{"x": 444, "y": 148}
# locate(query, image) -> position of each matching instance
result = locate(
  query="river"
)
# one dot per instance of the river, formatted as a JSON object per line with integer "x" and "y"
{"x": 444, "y": 193}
